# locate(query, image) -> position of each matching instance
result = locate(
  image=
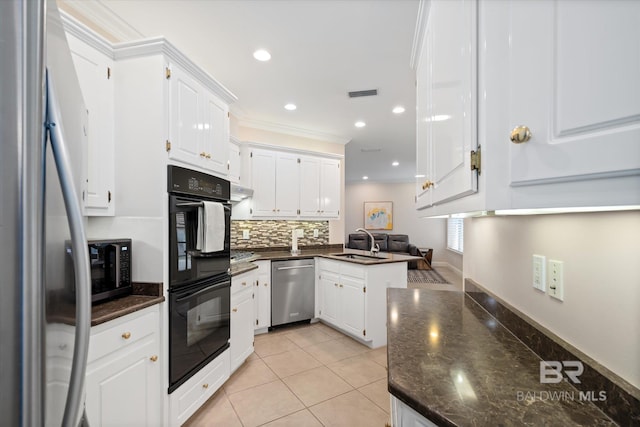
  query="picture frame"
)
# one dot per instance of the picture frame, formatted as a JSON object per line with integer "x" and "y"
{"x": 378, "y": 215}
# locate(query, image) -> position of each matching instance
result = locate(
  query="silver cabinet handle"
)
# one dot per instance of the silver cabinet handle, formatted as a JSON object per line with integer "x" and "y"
{"x": 295, "y": 267}
{"x": 75, "y": 399}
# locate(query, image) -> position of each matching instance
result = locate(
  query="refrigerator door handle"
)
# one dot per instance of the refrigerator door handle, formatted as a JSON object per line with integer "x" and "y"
{"x": 74, "y": 406}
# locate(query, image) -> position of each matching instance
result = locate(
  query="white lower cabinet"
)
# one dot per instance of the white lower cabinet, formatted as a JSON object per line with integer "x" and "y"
{"x": 191, "y": 395}
{"x": 242, "y": 318}
{"x": 262, "y": 300}
{"x": 123, "y": 382}
{"x": 403, "y": 416}
{"x": 353, "y": 297}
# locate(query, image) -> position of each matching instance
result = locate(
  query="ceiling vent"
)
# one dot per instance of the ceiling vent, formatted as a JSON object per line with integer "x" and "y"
{"x": 371, "y": 150}
{"x": 359, "y": 93}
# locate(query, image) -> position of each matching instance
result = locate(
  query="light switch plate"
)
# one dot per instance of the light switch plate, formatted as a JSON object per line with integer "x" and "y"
{"x": 245, "y": 235}
{"x": 556, "y": 279}
{"x": 539, "y": 273}
{"x": 299, "y": 232}
{"x": 315, "y": 232}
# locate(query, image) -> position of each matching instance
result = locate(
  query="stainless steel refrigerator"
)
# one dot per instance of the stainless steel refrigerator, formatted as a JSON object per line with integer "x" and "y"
{"x": 43, "y": 144}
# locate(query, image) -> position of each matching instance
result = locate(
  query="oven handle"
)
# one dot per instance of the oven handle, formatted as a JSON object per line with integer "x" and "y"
{"x": 195, "y": 204}
{"x": 207, "y": 289}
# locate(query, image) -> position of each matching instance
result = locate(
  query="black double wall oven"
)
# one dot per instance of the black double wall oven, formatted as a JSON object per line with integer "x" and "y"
{"x": 199, "y": 282}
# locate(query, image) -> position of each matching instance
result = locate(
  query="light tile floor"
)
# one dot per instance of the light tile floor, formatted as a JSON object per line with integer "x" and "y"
{"x": 306, "y": 376}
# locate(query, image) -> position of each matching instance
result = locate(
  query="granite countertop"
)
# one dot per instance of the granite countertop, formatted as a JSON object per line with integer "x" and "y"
{"x": 144, "y": 295}
{"x": 332, "y": 252}
{"x": 452, "y": 362}
{"x": 241, "y": 267}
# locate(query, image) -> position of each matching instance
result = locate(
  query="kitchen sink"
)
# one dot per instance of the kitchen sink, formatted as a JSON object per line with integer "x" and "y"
{"x": 360, "y": 257}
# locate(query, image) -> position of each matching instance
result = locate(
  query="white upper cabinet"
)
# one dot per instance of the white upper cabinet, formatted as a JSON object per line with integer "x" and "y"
{"x": 235, "y": 161}
{"x": 294, "y": 185}
{"x": 584, "y": 109}
{"x": 95, "y": 74}
{"x": 563, "y": 76}
{"x": 319, "y": 187}
{"x": 198, "y": 123}
{"x": 449, "y": 98}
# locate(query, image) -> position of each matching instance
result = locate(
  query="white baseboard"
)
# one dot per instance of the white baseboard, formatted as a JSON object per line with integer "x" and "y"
{"x": 447, "y": 265}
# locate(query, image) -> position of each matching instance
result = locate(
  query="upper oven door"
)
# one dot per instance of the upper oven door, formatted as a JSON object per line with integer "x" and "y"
{"x": 186, "y": 263}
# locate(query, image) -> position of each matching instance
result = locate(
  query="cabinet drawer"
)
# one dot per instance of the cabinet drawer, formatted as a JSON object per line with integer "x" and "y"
{"x": 121, "y": 333}
{"x": 242, "y": 282}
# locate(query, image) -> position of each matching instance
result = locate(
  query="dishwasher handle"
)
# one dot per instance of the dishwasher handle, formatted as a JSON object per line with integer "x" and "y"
{"x": 294, "y": 267}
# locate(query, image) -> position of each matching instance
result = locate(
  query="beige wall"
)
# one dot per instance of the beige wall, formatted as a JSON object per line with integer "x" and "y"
{"x": 422, "y": 232}
{"x": 600, "y": 314}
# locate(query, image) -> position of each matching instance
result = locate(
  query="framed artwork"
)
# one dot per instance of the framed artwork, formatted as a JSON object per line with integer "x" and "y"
{"x": 378, "y": 215}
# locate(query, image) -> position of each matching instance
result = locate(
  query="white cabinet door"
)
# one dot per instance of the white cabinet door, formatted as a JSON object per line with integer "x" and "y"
{"x": 309, "y": 186}
{"x": 94, "y": 70}
{"x": 452, "y": 95}
{"x": 404, "y": 416}
{"x": 577, "y": 90}
{"x": 287, "y": 184}
{"x": 262, "y": 305}
{"x": 242, "y": 321}
{"x": 185, "y": 119}
{"x": 352, "y": 305}
{"x": 330, "y": 188}
{"x": 329, "y": 287}
{"x": 126, "y": 391}
{"x": 263, "y": 175}
{"x": 423, "y": 123}
{"x": 215, "y": 135}
{"x": 235, "y": 162}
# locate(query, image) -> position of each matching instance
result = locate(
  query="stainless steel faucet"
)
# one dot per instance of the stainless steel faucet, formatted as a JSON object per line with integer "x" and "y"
{"x": 375, "y": 248}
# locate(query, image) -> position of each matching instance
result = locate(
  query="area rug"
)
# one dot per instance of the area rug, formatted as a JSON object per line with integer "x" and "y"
{"x": 425, "y": 276}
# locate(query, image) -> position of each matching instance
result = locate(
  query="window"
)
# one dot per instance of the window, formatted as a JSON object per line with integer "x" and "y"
{"x": 455, "y": 234}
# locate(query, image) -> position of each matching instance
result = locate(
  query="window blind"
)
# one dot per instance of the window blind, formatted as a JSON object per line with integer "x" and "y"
{"x": 455, "y": 234}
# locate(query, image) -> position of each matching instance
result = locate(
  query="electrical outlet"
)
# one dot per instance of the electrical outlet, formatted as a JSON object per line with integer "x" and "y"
{"x": 315, "y": 232}
{"x": 556, "y": 279}
{"x": 299, "y": 232}
{"x": 245, "y": 235}
{"x": 539, "y": 276}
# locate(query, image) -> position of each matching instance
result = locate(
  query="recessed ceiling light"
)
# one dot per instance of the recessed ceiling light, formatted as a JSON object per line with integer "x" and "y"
{"x": 420, "y": 176}
{"x": 395, "y": 164}
{"x": 290, "y": 107}
{"x": 360, "y": 124}
{"x": 398, "y": 110}
{"x": 365, "y": 177}
{"x": 262, "y": 55}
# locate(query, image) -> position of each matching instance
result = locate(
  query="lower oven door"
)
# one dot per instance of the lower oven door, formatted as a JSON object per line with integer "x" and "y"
{"x": 199, "y": 326}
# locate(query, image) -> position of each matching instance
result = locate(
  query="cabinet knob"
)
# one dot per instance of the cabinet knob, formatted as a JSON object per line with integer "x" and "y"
{"x": 203, "y": 154}
{"x": 126, "y": 335}
{"x": 341, "y": 286}
{"x": 273, "y": 209}
{"x": 427, "y": 184}
{"x": 520, "y": 134}
{"x": 335, "y": 284}
{"x": 154, "y": 358}
{"x": 205, "y": 385}
{"x": 235, "y": 310}
{"x": 208, "y": 156}
{"x": 266, "y": 284}
{"x": 244, "y": 283}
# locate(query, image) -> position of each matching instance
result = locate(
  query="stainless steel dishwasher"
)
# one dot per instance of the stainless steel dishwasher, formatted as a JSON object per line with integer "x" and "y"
{"x": 292, "y": 291}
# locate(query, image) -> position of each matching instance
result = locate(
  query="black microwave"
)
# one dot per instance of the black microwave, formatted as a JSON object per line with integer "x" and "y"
{"x": 110, "y": 263}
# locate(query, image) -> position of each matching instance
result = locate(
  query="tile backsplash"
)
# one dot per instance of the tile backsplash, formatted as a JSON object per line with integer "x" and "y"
{"x": 272, "y": 233}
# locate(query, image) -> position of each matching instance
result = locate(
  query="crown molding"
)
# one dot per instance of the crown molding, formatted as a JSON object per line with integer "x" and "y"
{"x": 100, "y": 15}
{"x": 77, "y": 29}
{"x": 162, "y": 46}
{"x": 418, "y": 35}
{"x": 291, "y": 130}
{"x": 283, "y": 148}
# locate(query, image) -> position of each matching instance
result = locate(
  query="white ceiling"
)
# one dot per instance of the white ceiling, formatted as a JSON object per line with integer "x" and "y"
{"x": 321, "y": 49}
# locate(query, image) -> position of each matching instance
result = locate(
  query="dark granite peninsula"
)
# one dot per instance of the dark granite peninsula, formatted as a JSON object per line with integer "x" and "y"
{"x": 455, "y": 365}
